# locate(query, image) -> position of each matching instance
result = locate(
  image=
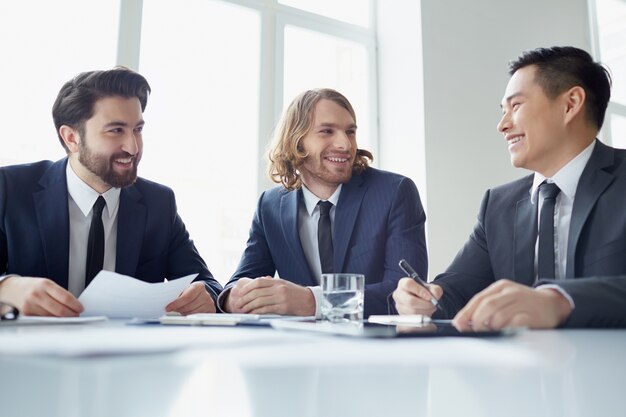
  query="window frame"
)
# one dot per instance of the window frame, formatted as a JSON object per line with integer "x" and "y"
{"x": 613, "y": 108}
{"x": 274, "y": 18}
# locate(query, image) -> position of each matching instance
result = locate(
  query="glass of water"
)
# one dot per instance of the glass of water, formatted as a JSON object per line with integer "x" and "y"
{"x": 342, "y": 297}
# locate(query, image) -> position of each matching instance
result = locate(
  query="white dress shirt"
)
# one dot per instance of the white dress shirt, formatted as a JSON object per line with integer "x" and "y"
{"x": 308, "y": 217}
{"x": 567, "y": 180}
{"x": 81, "y": 198}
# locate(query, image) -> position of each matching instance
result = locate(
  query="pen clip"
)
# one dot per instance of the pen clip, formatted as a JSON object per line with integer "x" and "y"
{"x": 408, "y": 269}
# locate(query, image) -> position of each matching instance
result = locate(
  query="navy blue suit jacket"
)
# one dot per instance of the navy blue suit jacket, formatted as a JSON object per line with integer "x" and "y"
{"x": 595, "y": 274}
{"x": 152, "y": 242}
{"x": 379, "y": 220}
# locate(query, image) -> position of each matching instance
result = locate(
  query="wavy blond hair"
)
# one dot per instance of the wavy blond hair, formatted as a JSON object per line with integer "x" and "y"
{"x": 286, "y": 153}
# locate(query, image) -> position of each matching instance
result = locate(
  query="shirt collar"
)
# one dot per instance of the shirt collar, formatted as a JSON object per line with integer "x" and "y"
{"x": 567, "y": 177}
{"x": 311, "y": 200}
{"x": 84, "y": 196}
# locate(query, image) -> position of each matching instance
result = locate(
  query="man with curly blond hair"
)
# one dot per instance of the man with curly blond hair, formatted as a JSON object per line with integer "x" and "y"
{"x": 376, "y": 217}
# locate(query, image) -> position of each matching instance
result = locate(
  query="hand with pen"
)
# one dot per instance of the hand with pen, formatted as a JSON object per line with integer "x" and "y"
{"x": 414, "y": 296}
{"x": 503, "y": 304}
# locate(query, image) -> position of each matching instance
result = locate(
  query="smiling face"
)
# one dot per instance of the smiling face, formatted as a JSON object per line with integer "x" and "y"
{"x": 330, "y": 146}
{"x": 109, "y": 150}
{"x": 534, "y": 125}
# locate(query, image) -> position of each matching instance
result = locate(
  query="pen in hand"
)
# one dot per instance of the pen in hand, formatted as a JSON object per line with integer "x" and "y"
{"x": 404, "y": 265}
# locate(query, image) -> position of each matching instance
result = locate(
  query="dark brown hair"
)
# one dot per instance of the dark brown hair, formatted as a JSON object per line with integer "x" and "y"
{"x": 75, "y": 102}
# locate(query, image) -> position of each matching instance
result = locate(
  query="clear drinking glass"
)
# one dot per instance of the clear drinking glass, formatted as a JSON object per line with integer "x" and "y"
{"x": 342, "y": 297}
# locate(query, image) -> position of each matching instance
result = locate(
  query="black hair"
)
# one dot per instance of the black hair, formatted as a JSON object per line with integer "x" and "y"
{"x": 562, "y": 67}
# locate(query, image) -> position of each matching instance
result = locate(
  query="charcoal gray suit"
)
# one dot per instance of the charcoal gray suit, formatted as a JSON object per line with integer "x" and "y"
{"x": 596, "y": 255}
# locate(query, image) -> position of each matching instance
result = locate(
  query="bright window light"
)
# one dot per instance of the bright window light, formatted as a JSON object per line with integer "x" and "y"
{"x": 203, "y": 60}
{"x": 43, "y": 44}
{"x": 612, "y": 37}
{"x": 618, "y": 131}
{"x": 316, "y": 60}
{"x": 351, "y": 11}
{"x": 201, "y": 134}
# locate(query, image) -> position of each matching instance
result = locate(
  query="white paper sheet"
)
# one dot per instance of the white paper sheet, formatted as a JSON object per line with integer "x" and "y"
{"x": 58, "y": 320}
{"x": 228, "y": 319}
{"x": 409, "y": 319}
{"x": 120, "y": 296}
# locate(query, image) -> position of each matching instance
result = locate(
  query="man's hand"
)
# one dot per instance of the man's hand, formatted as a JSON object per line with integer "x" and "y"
{"x": 233, "y": 295}
{"x": 412, "y": 298}
{"x": 195, "y": 299}
{"x": 267, "y": 295}
{"x": 39, "y": 297}
{"x": 508, "y": 304}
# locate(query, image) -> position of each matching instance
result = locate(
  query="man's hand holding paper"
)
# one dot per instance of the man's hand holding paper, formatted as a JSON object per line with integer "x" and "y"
{"x": 119, "y": 296}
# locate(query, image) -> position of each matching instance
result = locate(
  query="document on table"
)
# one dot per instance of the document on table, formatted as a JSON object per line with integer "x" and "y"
{"x": 120, "y": 296}
{"x": 409, "y": 319}
{"x": 58, "y": 320}
{"x": 229, "y": 319}
{"x": 44, "y": 321}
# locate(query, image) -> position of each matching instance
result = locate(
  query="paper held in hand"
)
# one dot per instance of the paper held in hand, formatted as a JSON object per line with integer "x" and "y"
{"x": 120, "y": 296}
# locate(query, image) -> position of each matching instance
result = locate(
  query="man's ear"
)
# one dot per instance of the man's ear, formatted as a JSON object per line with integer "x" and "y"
{"x": 575, "y": 99}
{"x": 70, "y": 137}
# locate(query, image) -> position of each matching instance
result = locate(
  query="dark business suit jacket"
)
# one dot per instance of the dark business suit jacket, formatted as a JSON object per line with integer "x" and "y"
{"x": 152, "y": 242}
{"x": 596, "y": 254}
{"x": 379, "y": 220}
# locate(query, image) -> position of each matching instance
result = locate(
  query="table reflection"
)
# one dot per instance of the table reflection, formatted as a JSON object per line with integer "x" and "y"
{"x": 556, "y": 373}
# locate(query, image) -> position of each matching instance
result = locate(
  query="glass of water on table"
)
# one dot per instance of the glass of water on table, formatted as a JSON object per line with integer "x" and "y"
{"x": 342, "y": 297}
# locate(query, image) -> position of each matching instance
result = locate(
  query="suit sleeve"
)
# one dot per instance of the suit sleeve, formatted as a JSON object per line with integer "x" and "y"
{"x": 470, "y": 272}
{"x": 184, "y": 258}
{"x": 405, "y": 240}
{"x": 599, "y": 301}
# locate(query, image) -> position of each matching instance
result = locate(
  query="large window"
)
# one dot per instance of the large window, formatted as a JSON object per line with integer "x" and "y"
{"x": 202, "y": 121}
{"x": 314, "y": 59}
{"x": 221, "y": 72}
{"x": 357, "y": 12}
{"x": 611, "y": 48}
{"x": 42, "y": 45}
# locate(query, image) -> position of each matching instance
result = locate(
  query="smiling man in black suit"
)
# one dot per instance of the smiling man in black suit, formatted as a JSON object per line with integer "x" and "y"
{"x": 549, "y": 249}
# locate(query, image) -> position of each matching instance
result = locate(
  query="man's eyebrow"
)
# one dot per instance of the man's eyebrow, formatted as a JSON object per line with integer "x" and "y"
{"x": 335, "y": 125}
{"x": 119, "y": 123}
{"x": 116, "y": 123}
{"x": 509, "y": 98}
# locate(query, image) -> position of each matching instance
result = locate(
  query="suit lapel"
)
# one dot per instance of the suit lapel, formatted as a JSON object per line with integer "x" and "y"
{"x": 525, "y": 236}
{"x": 593, "y": 181}
{"x": 131, "y": 225}
{"x": 51, "y": 208}
{"x": 289, "y": 221}
{"x": 347, "y": 211}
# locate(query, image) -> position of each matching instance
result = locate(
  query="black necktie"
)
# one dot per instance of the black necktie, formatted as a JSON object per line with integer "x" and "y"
{"x": 325, "y": 237}
{"x": 95, "y": 244}
{"x": 546, "y": 230}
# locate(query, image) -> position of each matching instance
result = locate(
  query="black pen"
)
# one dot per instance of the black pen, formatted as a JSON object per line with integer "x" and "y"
{"x": 404, "y": 265}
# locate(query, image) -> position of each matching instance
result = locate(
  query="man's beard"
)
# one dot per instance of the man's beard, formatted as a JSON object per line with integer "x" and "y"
{"x": 103, "y": 167}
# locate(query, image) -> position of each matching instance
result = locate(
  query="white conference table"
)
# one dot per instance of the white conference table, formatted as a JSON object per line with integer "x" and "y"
{"x": 111, "y": 369}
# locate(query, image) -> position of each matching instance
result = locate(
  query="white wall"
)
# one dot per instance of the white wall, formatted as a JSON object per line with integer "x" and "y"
{"x": 448, "y": 134}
